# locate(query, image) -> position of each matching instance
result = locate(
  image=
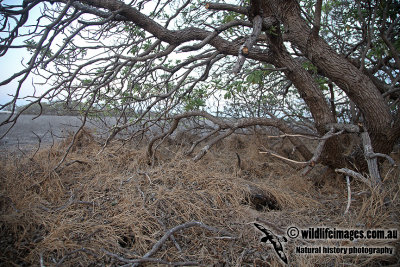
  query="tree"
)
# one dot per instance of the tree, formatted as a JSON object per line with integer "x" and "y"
{"x": 158, "y": 59}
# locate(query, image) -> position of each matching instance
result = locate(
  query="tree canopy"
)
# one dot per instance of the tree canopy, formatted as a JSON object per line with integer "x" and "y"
{"x": 309, "y": 67}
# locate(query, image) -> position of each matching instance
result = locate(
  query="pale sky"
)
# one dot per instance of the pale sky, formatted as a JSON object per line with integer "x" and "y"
{"x": 11, "y": 63}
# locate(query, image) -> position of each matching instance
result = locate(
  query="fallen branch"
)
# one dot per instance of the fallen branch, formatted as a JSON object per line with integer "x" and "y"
{"x": 59, "y": 263}
{"x": 369, "y": 154}
{"x": 70, "y": 201}
{"x": 76, "y": 161}
{"x": 190, "y": 151}
{"x": 314, "y": 159}
{"x": 374, "y": 155}
{"x": 205, "y": 149}
{"x": 355, "y": 175}
{"x": 135, "y": 262}
{"x": 169, "y": 233}
{"x": 230, "y": 127}
{"x": 293, "y": 163}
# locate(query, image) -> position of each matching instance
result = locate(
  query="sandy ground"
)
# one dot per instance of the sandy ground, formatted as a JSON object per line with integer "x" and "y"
{"x": 48, "y": 127}
{"x": 27, "y": 130}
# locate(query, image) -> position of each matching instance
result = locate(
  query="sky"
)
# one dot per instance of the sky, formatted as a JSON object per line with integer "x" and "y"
{"x": 10, "y": 63}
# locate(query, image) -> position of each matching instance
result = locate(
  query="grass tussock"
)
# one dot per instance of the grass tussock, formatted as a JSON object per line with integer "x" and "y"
{"x": 101, "y": 209}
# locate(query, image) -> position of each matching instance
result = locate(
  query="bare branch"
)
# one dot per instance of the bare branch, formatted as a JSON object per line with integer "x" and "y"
{"x": 227, "y": 7}
{"x": 317, "y": 18}
{"x": 348, "y": 195}
{"x": 355, "y": 175}
{"x": 293, "y": 163}
{"x": 190, "y": 151}
{"x": 350, "y": 128}
{"x": 246, "y": 47}
{"x": 205, "y": 149}
{"x": 231, "y": 127}
{"x": 172, "y": 231}
{"x": 214, "y": 34}
{"x": 318, "y": 151}
{"x": 374, "y": 155}
{"x": 315, "y": 158}
{"x": 371, "y": 160}
{"x": 133, "y": 262}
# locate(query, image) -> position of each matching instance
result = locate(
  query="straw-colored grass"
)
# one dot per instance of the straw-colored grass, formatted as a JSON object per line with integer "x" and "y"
{"x": 102, "y": 205}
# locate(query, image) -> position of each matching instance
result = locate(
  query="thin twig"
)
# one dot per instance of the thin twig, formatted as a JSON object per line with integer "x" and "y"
{"x": 348, "y": 194}
{"x": 76, "y": 161}
{"x": 170, "y": 232}
{"x": 39, "y": 142}
{"x": 147, "y": 176}
{"x": 41, "y": 260}
{"x": 270, "y": 152}
{"x": 293, "y": 135}
{"x": 310, "y": 163}
{"x": 70, "y": 201}
{"x": 134, "y": 262}
{"x": 59, "y": 263}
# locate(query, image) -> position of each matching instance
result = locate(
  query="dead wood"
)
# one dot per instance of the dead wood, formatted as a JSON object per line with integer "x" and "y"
{"x": 229, "y": 127}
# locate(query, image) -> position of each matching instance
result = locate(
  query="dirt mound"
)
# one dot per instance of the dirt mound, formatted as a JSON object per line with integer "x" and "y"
{"x": 110, "y": 208}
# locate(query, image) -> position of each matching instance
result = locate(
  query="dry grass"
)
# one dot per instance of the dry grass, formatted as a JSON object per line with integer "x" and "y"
{"x": 113, "y": 202}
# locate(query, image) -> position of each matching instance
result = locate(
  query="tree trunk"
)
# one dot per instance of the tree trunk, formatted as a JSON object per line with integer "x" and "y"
{"x": 358, "y": 87}
{"x": 312, "y": 95}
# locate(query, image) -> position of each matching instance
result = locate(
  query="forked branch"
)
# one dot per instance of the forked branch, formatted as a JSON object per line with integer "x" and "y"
{"x": 355, "y": 175}
{"x": 229, "y": 127}
{"x": 170, "y": 232}
{"x": 308, "y": 165}
{"x": 245, "y": 48}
